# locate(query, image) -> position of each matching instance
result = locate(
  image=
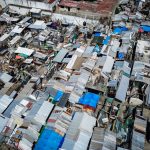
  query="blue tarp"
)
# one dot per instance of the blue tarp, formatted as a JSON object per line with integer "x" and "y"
{"x": 120, "y": 55}
{"x": 97, "y": 34}
{"x": 96, "y": 49}
{"x": 146, "y": 28}
{"x": 58, "y": 96}
{"x": 119, "y": 30}
{"x": 124, "y": 29}
{"x": 89, "y": 99}
{"x": 106, "y": 41}
{"x": 49, "y": 140}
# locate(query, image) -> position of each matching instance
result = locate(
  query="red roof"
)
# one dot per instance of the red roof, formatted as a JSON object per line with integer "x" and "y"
{"x": 50, "y": 1}
{"x": 96, "y": 7}
{"x": 69, "y": 3}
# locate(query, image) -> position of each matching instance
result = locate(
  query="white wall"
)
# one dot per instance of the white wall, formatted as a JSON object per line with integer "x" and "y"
{"x": 72, "y": 19}
{"x": 28, "y": 3}
{"x": 20, "y": 10}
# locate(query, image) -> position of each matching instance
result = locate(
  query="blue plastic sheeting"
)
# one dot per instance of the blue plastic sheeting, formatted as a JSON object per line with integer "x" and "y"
{"x": 96, "y": 49}
{"x": 97, "y": 34}
{"x": 49, "y": 140}
{"x": 106, "y": 41}
{"x": 124, "y": 29}
{"x": 146, "y": 28}
{"x": 58, "y": 96}
{"x": 120, "y": 55}
{"x": 89, "y": 99}
{"x": 119, "y": 30}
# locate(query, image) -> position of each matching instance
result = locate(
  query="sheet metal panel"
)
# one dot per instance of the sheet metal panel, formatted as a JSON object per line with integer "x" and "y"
{"x": 4, "y": 102}
{"x": 108, "y": 64}
{"x": 60, "y": 56}
{"x": 122, "y": 89}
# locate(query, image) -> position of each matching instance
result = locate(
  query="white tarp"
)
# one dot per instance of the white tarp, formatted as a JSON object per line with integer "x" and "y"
{"x": 23, "y": 50}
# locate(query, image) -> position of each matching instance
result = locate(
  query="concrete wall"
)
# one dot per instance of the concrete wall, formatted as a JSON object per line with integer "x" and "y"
{"x": 28, "y": 3}
{"x": 19, "y": 10}
{"x": 73, "y": 19}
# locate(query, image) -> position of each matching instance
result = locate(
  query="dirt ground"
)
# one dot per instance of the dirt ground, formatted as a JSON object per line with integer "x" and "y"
{"x": 146, "y": 114}
{"x": 147, "y": 146}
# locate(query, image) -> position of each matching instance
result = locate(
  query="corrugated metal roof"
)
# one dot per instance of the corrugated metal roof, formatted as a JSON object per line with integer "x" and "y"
{"x": 8, "y": 111}
{"x": 4, "y": 102}
{"x": 17, "y": 29}
{"x": 60, "y": 56}
{"x": 23, "y": 50}
{"x": 5, "y": 77}
{"x": 15, "y": 40}
{"x": 109, "y": 140}
{"x": 4, "y": 37}
{"x": 79, "y": 132}
{"x": 97, "y": 139}
{"x": 3, "y": 122}
{"x": 43, "y": 112}
{"x": 122, "y": 89}
{"x": 24, "y": 20}
{"x": 108, "y": 64}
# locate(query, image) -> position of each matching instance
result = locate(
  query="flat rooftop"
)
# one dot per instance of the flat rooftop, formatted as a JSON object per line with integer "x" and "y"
{"x": 103, "y": 7}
